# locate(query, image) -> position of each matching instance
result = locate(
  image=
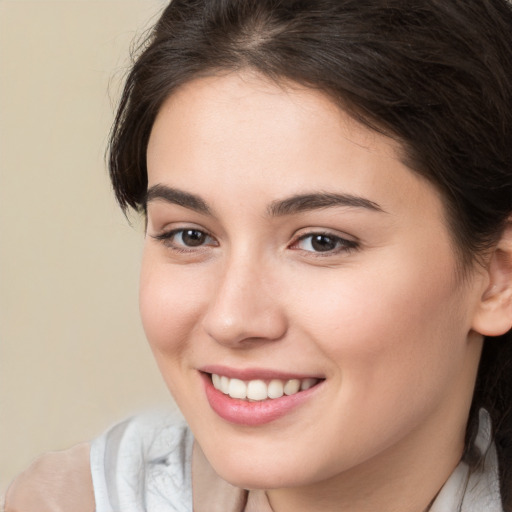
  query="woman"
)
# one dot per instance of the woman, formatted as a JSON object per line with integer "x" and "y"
{"x": 327, "y": 274}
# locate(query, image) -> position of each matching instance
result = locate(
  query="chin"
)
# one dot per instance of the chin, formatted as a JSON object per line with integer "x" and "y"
{"x": 252, "y": 472}
{"x": 249, "y": 478}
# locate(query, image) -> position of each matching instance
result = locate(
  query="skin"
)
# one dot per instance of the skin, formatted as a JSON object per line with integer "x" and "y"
{"x": 56, "y": 482}
{"x": 384, "y": 317}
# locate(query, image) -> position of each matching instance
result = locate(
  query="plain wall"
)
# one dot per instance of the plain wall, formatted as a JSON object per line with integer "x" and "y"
{"x": 73, "y": 358}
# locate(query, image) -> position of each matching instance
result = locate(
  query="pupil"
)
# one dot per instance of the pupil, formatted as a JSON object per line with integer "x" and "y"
{"x": 323, "y": 243}
{"x": 193, "y": 237}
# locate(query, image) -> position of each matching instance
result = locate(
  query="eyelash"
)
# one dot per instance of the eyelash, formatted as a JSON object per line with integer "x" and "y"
{"x": 167, "y": 238}
{"x": 342, "y": 244}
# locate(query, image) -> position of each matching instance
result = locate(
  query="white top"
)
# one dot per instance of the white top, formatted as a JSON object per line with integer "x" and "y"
{"x": 144, "y": 465}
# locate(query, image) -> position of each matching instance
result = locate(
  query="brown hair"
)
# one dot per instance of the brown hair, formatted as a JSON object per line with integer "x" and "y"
{"x": 436, "y": 75}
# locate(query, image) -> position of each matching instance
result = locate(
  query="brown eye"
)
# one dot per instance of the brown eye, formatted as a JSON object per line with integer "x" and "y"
{"x": 186, "y": 239}
{"x": 324, "y": 243}
{"x": 192, "y": 237}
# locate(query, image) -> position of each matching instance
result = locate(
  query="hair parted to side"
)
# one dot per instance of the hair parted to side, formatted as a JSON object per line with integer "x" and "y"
{"x": 435, "y": 75}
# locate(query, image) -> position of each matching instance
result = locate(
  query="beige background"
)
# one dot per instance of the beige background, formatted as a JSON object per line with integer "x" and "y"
{"x": 73, "y": 358}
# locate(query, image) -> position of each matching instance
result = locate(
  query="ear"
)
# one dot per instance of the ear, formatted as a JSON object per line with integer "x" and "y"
{"x": 493, "y": 316}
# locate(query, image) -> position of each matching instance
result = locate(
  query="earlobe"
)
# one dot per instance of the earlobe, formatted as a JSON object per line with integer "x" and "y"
{"x": 494, "y": 312}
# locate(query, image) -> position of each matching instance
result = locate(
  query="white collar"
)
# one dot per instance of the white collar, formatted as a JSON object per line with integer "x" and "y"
{"x": 478, "y": 490}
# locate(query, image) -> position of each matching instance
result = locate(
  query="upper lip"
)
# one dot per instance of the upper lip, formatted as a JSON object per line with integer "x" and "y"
{"x": 248, "y": 374}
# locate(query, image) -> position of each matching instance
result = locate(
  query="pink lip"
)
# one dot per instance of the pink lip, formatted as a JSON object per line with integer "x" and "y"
{"x": 242, "y": 412}
{"x": 255, "y": 373}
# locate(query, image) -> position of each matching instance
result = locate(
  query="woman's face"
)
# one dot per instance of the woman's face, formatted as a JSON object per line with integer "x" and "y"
{"x": 289, "y": 247}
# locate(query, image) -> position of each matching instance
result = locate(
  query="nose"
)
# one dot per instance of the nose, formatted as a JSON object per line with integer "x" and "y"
{"x": 245, "y": 307}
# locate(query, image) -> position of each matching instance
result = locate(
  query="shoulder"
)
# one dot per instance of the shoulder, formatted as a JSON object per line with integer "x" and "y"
{"x": 145, "y": 439}
{"x": 55, "y": 482}
{"x": 144, "y": 459}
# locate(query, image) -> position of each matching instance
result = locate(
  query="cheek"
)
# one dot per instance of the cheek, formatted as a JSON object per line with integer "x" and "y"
{"x": 170, "y": 305}
{"x": 392, "y": 330}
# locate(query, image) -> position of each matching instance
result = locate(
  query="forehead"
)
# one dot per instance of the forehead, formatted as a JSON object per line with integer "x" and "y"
{"x": 233, "y": 133}
{"x": 252, "y": 102}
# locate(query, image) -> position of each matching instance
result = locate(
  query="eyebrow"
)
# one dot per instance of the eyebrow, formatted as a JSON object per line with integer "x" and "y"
{"x": 319, "y": 201}
{"x": 176, "y": 196}
{"x": 294, "y": 204}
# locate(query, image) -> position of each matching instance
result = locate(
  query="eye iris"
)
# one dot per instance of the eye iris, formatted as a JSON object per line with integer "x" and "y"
{"x": 323, "y": 243}
{"x": 193, "y": 237}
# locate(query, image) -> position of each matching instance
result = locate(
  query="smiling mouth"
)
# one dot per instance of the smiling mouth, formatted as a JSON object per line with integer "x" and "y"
{"x": 258, "y": 390}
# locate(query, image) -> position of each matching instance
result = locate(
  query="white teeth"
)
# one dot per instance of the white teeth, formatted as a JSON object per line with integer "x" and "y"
{"x": 224, "y": 385}
{"x": 275, "y": 389}
{"x": 257, "y": 390}
{"x": 292, "y": 387}
{"x": 307, "y": 383}
{"x": 237, "y": 389}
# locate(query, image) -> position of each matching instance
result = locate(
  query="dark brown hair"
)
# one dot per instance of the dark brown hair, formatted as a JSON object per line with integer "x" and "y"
{"x": 436, "y": 75}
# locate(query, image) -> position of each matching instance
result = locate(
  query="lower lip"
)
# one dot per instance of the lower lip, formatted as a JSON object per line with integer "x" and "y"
{"x": 242, "y": 412}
